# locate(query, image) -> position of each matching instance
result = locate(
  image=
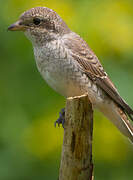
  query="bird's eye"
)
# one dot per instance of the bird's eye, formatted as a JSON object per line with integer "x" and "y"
{"x": 36, "y": 21}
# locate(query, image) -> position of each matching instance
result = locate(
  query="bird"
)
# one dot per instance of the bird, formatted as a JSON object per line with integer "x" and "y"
{"x": 70, "y": 67}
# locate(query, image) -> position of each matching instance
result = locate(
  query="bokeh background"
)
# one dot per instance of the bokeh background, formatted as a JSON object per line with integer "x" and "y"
{"x": 30, "y": 146}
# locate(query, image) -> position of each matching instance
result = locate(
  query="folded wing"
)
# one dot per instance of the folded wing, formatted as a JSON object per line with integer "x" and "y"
{"x": 90, "y": 64}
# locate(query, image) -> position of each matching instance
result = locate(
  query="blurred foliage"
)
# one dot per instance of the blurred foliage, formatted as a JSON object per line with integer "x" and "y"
{"x": 30, "y": 146}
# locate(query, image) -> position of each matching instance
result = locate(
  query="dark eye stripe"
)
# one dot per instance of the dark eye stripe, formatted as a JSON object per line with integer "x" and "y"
{"x": 36, "y": 21}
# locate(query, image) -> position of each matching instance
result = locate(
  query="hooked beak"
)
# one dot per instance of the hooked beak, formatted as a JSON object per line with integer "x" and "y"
{"x": 17, "y": 26}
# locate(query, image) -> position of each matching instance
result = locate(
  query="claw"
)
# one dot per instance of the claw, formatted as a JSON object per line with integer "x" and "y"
{"x": 61, "y": 119}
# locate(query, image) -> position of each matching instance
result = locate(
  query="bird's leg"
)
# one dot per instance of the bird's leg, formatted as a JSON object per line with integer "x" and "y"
{"x": 61, "y": 119}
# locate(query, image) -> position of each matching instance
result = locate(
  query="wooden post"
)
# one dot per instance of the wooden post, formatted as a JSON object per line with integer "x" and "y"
{"x": 76, "y": 158}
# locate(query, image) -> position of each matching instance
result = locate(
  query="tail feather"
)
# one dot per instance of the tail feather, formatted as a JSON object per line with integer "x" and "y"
{"x": 124, "y": 118}
{"x": 127, "y": 109}
{"x": 119, "y": 118}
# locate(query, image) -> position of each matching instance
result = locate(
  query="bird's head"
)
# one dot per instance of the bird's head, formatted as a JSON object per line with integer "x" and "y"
{"x": 40, "y": 24}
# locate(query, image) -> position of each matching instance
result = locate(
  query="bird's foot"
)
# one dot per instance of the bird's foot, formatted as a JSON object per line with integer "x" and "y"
{"x": 61, "y": 119}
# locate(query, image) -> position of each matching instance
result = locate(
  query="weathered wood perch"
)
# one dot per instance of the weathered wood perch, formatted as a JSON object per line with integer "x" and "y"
{"x": 76, "y": 158}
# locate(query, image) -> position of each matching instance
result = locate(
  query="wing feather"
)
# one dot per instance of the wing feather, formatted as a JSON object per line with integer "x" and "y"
{"x": 90, "y": 64}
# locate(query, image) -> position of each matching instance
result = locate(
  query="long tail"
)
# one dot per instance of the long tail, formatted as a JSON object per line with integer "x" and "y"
{"x": 127, "y": 109}
{"x": 113, "y": 112}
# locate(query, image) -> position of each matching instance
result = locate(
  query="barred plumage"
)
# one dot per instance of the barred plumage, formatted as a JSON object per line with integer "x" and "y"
{"x": 70, "y": 67}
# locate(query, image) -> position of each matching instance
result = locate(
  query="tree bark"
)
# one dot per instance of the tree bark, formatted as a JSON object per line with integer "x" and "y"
{"x": 76, "y": 158}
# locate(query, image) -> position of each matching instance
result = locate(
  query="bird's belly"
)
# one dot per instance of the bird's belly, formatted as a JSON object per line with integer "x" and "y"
{"x": 62, "y": 81}
{"x": 67, "y": 79}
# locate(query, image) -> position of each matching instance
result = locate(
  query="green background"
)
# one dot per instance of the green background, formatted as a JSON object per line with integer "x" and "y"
{"x": 30, "y": 146}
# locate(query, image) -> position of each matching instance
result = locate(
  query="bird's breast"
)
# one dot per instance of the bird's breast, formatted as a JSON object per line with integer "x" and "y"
{"x": 59, "y": 71}
{"x": 63, "y": 74}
